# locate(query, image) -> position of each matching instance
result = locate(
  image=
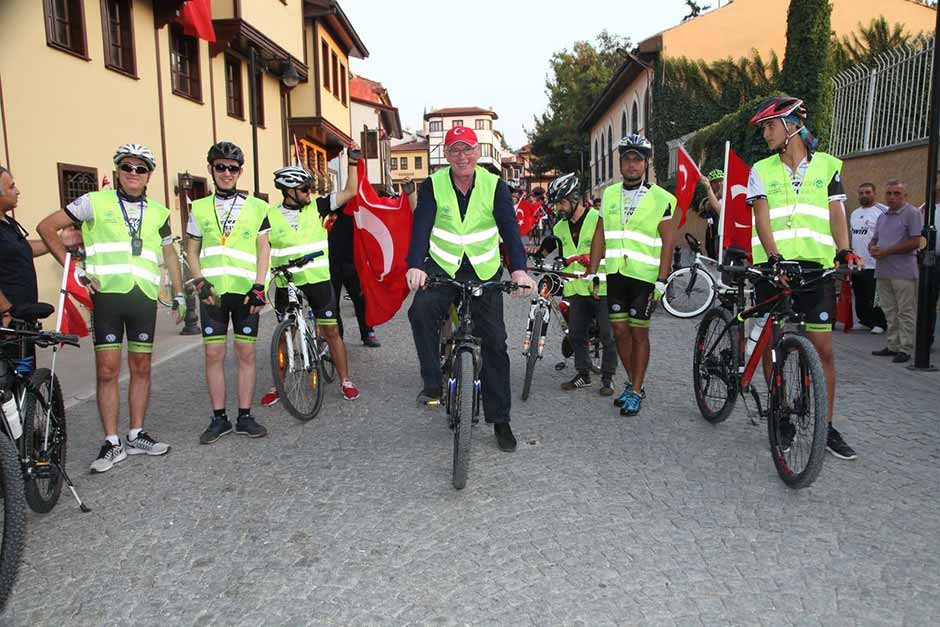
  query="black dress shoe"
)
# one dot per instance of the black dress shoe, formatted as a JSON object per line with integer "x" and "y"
{"x": 901, "y": 357}
{"x": 884, "y": 352}
{"x": 504, "y": 437}
{"x": 370, "y": 340}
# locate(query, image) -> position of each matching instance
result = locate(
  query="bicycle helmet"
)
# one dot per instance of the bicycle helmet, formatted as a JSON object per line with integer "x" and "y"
{"x": 226, "y": 150}
{"x": 135, "y": 150}
{"x": 716, "y": 175}
{"x": 565, "y": 186}
{"x": 291, "y": 177}
{"x": 779, "y": 107}
{"x": 635, "y": 143}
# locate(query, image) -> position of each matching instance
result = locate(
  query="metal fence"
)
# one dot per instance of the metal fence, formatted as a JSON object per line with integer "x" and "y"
{"x": 884, "y": 104}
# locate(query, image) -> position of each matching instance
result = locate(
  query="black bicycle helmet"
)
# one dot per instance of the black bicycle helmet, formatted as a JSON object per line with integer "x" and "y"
{"x": 635, "y": 143}
{"x": 226, "y": 150}
{"x": 565, "y": 186}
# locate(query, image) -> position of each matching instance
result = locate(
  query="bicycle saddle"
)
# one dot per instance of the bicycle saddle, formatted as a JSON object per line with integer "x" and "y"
{"x": 32, "y": 311}
{"x": 734, "y": 255}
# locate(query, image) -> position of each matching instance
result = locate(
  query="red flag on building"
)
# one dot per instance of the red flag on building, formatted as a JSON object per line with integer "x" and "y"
{"x": 736, "y": 213}
{"x": 687, "y": 178}
{"x": 381, "y": 237}
{"x": 196, "y": 18}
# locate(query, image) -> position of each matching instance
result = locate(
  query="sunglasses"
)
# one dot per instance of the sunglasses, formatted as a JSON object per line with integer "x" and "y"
{"x": 221, "y": 167}
{"x": 137, "y": 169}
{"x": 305, "y": 189}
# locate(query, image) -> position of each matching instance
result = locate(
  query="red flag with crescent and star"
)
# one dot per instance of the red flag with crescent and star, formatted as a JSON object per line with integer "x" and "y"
{"x": 736, "y": 218}
{"x": 381, "y": 235}
{"x": 687, "y": 178}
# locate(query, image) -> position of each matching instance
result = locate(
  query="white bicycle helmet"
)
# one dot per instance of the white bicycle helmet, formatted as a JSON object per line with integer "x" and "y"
{"x": 135, "y": 150}
{"x": 291, "y": 177}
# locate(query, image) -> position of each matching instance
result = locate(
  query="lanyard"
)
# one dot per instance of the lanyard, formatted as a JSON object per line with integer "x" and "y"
{"x": 222, "y": 233}
{"x": 127, "y": 221}
{"x": 626, "y": 215}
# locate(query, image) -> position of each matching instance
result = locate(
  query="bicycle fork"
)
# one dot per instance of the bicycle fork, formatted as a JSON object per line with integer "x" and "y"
{"x": 45, "y": 437}
{"x": 540, "y": 341}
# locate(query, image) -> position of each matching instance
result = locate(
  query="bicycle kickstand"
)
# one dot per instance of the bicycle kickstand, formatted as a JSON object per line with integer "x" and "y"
{"x": 757, "y": 412}
{"x": 81, "y": 505}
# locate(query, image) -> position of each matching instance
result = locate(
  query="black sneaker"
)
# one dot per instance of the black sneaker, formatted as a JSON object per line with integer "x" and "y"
{"x": 787, "y": 432}
{"x": 837, "y": 446}
{"x": 579, "y": 381}
{"x": 246, "y": 425}
{"x": 430, "y": 396}
{"x": 607, "y": 388}
{"x": 216, "y": 429}
{"x": 884, "y": 352}
{"x": 504, "y": 437}
{"x": 901, "y": 357}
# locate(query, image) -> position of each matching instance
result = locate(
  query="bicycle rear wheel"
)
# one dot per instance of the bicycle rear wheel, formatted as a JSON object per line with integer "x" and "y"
{"x": 14, "y": 517}
{"x": 463, "y": 417}
{"x": 714, "y": 366}
{"x": 299, "y": 388}
{"x": 533, "y": 355}
{"x": 799, "y": 401}
{"x": 327, "y": 365}
{"x": 43, "y": 477}
{"x": 689, "y": 292}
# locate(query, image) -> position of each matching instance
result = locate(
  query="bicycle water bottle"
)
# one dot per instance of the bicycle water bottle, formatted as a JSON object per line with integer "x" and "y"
{"x": 757, "y": 327}
{"x": 12, "y": 416}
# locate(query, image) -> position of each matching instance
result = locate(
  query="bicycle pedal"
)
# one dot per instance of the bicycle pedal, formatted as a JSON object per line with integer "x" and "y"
{"x": 41, "y": 470}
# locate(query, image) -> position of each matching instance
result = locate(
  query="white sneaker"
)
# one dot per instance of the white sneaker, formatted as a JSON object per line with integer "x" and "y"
{"x": 876, "y": 330}
{"x": 146, "y": 445}
{"x": 108, "y": 456}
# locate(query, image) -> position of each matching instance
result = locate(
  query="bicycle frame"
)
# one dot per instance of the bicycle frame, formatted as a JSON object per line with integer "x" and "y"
{"x": 464, "y": 341}
{"x": 295, "y": 310}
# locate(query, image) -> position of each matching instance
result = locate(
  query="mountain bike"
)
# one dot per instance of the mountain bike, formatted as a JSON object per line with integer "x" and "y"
{"x": 166, "y": 293}
{"x": 460, "y": 362}
{"x": 299, "y": 357}
{"x": 797, "y": 399}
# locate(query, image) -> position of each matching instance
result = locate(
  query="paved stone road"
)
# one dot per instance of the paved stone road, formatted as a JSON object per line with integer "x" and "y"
{"x": 596, "y": 520}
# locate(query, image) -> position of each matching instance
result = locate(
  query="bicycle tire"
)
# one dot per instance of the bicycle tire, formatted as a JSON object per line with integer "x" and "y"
{"x": 718, "y": 367}
{"x": 14, "y": 517}
{"x": 689, "y": 292}
{"x": 463, "y": 417}
{"x": 533, "y": 355}
{"x": 799, "y": 464}
{"x": 300, "y": 378}
{"x": 42, "y": 494}
{"x": 327, "y": 365}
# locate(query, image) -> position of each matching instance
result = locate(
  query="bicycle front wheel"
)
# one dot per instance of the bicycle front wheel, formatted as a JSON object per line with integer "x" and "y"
{"x": 689, "y": 292}
{"x": 463, "y": 417}
{"x": 533, "y": 355}
{"x": 799, "y": 401}
{"x": 714, "y": 366}
{"x": 299, "y": 387}
{"x": 14, "y": 517}
{"x": 43, "y": 457}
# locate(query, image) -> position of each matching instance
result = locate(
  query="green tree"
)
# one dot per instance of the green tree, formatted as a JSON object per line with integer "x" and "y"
{"x": 695, "y": 9}
{"x": 807, "y": 65}
{"x": 576, "y": 80}
{"x": 871, "y": 41}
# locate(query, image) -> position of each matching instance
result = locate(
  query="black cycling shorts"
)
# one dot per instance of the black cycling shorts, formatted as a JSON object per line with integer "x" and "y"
{"x": 319, "y": 296}
{"x": 215, "y": 319}
{"x": 817, "y": 306}
{"x": 629, "y": 300}
{"x": 113, "y": 314}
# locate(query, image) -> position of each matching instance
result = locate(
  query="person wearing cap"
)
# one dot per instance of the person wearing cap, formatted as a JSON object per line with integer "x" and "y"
{"x": 125, "y": 233}
{"x": 462, "y": 212}
{"x": 634, "y": 239}
{"x": 797, "y": 198}
{"x": 228, "y": 252}
{"x": 710, "y": 209}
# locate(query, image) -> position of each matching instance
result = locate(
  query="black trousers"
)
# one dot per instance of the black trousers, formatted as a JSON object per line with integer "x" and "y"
{"x": 585, "y": 309}
{"x": 863, "y": 291}
{"x": 344, "y": 274}
{"x": 426, "y": 314}
{"x": 933, "y": 295}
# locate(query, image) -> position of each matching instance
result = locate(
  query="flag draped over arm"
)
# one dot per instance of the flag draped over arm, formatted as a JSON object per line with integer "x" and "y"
{"x": 687, "y": 178}
{"x": 381, "y": 235}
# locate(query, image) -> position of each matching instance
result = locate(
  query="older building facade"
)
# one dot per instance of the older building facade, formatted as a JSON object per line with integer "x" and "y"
{"x": 375, "y": 123}
{"x": 439, "y": 121}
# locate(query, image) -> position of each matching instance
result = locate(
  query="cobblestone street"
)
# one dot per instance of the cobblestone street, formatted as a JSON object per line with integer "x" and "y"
{"x": 596, "y": 519}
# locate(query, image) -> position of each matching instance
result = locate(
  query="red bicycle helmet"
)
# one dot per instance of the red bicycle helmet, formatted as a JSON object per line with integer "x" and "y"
{"x": 779, "y": 107}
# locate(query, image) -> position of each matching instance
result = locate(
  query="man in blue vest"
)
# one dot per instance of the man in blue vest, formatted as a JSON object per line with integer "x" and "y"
{"x": 462, "y": 212}
{"x": 797, "y": 198}
{"x": 634, "y": 239}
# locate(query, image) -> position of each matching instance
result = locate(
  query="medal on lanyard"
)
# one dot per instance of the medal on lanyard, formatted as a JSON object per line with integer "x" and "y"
{"x": 137, "y": 244}
{"x": 223, "y": 236}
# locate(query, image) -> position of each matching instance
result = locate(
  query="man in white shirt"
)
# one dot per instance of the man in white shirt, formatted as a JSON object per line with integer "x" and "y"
{"x": 862, "y": 224}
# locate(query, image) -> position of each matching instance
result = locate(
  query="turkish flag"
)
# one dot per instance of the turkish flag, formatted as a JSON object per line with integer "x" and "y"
{"x": 526, "y": 212}
{"x": 196, "y": 18}
{"x": 381, "y": 237}
{"x": 844, "y": 306}
{"x": 736, "y": 216}
{"x": 687, "y": 178}
{"x": 72, "y": 321}
{"x": 74, "y": 287}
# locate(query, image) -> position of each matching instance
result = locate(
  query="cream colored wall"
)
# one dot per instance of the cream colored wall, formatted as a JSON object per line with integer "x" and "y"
{"x": 223, "y": 9}
{"x": 637, "y": 89}
{"x": 736, "y": 28}
{"x": 303, "y": 97}
{"x": 331, "y": 108}
{"x": 282, "y": 23}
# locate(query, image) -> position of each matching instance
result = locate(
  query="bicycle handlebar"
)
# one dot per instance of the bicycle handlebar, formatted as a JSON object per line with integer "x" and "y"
{"x": 42, "y": 339}
{"x": 506, "y": 286}
{"x": 296, "y": 263}
{"x": 790, "y": 268}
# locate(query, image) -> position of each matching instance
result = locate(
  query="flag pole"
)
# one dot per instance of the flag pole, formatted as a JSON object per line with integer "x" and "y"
{"x": 721, "y": 217}
{"x": 62, "y": 291}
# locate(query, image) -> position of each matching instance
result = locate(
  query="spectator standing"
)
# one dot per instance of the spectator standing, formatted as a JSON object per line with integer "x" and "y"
{"x": 863, "y": 221}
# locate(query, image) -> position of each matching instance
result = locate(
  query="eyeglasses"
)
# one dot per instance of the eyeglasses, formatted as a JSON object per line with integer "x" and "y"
{"x": 137, "y": 169}
{"x": 305, "y": 189}
{"x": 221, "y": 167}
{"x": 461, "y": 152}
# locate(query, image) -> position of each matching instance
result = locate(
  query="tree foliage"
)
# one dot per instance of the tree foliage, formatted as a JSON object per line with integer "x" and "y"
{"x": 576, "y": 79}
{"x": 695, "y": 9}
{"x": 868, "y": 42}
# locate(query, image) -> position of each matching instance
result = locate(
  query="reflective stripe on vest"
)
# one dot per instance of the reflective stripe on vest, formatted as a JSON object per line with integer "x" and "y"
{"x": 800, "y": 222}
{"x": 580, "y": 287}
{"x": 108, "y": 255}
{"x": 232, "y": 267}
{"x": 476, "y": 235}
{"x": 288, "y": 243}
{"x": 633, "y": 249}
